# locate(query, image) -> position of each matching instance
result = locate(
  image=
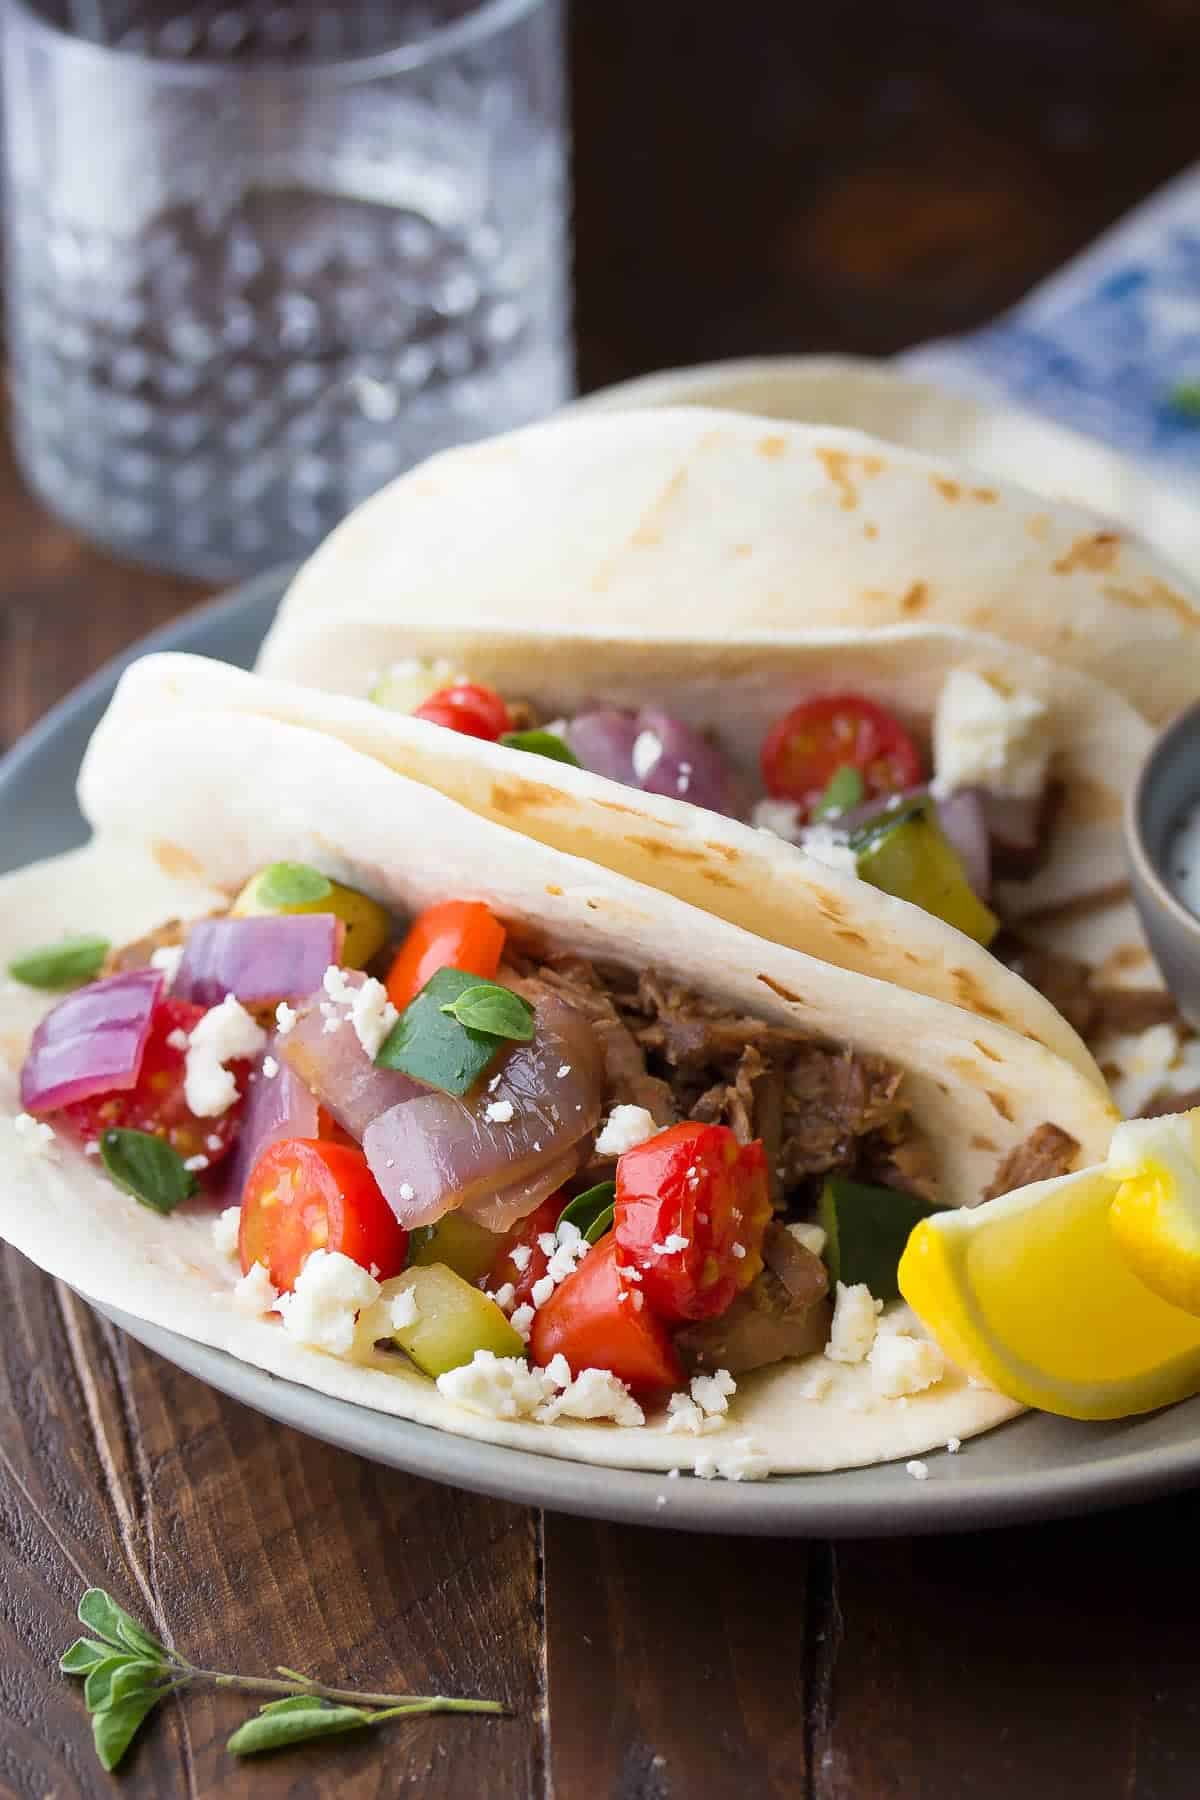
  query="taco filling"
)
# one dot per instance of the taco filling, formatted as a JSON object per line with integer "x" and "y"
{"x": 557, "y": 1189}
{"x": 954, "y": 817}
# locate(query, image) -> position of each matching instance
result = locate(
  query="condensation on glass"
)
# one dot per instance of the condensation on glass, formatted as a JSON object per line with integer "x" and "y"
{"x": 263, "y": 258}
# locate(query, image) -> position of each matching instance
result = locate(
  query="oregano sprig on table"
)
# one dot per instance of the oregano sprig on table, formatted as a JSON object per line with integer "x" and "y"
{"x": 127, "y": 1672}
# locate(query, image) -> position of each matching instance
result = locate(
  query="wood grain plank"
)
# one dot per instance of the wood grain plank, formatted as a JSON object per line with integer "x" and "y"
{"x": 1053, "y": 1661}
{"x": 249, "y": 1545}
{"x": 675, "y": 1664}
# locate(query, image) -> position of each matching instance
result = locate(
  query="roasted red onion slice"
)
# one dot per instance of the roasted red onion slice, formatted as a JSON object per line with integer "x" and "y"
{"x": 277, "y": 1106}
{"x": 257, "y": 960}
{"x": 334, "y": 1065}
{"x": 502, "y": 1210}
{"x": 92, "y": 1042}
{"x": 603, "y": 742}
{"x": 434, "y": 1153}
{"x": 962, "y": 819}
{"x": 686, "y": 765}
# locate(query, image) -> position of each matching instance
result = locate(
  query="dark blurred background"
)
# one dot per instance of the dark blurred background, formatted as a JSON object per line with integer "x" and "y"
{"x": 777, "y": 175}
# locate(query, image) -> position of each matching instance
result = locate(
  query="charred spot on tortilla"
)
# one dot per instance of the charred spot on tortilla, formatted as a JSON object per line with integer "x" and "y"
{"x": 1001, "y": 1104}
{"x": 777, "y": 987}
{"x": 968, "y": 993}
{"x": 1038, "y": 526}
{"x": 851, "y": 937}
{"x": 649, "y": 529}
{"x": 772, "y": 447}
{"x": 831, "y": 910}
{"x": 1160, "y": 595}
{"x": 985, "y": 495}
{"x": 870, "y": 531}
{"x": 949, "y": 490}
{"x": 916, "y": 598}
{"x": 984, "y": 1051}
{"x": 654, "y": 846}
{"x": 985, "y": 1145}
{"x": 1097, "y": 551}
{"x": 180, "y": 864}
{"x": 553, "y": 889}
{"x": 729, "y": 851}
{"x": 836, "y": 464}
{"x": 515, "y": 797}
{"x": 742, "y": 549}
{"x": 631, "y": 812}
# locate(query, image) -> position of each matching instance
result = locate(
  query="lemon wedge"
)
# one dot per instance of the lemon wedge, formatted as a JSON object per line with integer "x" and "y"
{"x": 1156, "y": 1210}
{"x": 1034, "y": 1292}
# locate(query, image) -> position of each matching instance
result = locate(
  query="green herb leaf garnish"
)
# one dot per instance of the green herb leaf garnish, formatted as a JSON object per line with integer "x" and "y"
{"x": 586, "y": 1208}
{"x": 70, "y": 964}
{"x": 430, "y": 1044}
{"x": 494, "y": 1009}
{"x": 147, "y": 1168}
{"x": 1185, "y": 398}
{"x": 541, "y": 743}
{"x": 121, "y": 1690}
{"x": 285, "y": 884}
{"x": 845, "y": 790}
{"x": 600, "y": 1225}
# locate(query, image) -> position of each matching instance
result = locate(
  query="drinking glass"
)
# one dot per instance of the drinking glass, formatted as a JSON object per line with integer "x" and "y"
{"x": 263, "y": 257}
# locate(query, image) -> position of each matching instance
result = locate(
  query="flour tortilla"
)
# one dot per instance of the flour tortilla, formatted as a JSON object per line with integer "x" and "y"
{"x": 686, "y": 524}
{"x": 1005, "y": 442}
{"x": 746, "y": 876}
{"x": 189, "y": 806}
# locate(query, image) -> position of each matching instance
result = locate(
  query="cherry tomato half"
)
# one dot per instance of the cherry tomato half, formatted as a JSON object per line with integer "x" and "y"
{"x": 526, "y": 1233}
{"x": 457, "y": 934}
{"x": 469, "y": 707}
{"x": 303, "y": 1195}
{"x": 696, "y": 1187}
{"x": 598, "y": 1319}
{"x": 806, "y": 748}
{"x": 158, "y": 1103}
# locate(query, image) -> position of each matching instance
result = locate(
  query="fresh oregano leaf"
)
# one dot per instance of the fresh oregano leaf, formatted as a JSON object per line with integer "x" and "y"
{"x": 285, "y": 884}
{"x": 134, "y": 1678}
{"x": 602, "y": 1223}
{"x": 541, "y": 743}
{"x": 69, "y": 964}
{"x": 97, "y": 1689}
{"x": 102, "y": 1615}
{"x": 494, "y": 1010}
{"x": 146, "y": 1167}
{"x": 113, "y": 1731}
{"x": 293, "y": 1703}
{"x": 277, "y": 1729}
{"x": 845, "y": 791}
{"x": 586, "y": 1208}
{"x": 83, "y": 1656}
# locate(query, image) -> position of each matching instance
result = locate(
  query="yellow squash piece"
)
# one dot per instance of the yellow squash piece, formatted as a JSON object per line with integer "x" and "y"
{"x": 1033, "y": 1293}
{"x": 295, "y": 888}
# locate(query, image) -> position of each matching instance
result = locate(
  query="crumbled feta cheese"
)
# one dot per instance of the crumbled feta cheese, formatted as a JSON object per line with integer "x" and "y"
{"x": 336, "y": 985}
{"x": 270, "y": 1067}
{"x": 406, "y": 1190}
{"x": 672, "y": 1243}
{"x": 372, "y": 1015}
{"x": 498, "y": 1112}
{"x": 564, "y": 1069}
{"x": 825, "y": 845}
{"x": 519, "y": 1257}
{"x": 683, "y": 1414}
{"x": 92, "y": 1149}
{"x": 225, "y": 1034}
{"x": 712, "y": 1393}
{"x": 625, "y": 1128}
{"x": 566, "y": 1260}
{"x": 35, "y": 1135}
{"x": 647, "y": 752}
{"x": 782, "y": 818}
{"x": 505, "y": 1297}
{"x": 404, "y": 1309}
{"x": 214, "y": 1143}
{"x": 904, "y": 1365}
{"x": 594, "y": 1394}
{"x": 195, "y": 1165}
{"x": 177, "y": 1039}
{"x": 743, "y": 1461}
{"x": 255, "y": 1293}
{"x": 522, "y": 1321}
{"x": 558, "y": 1370}
{"x": 567, "y": 1233}
{"x": 683, "y": 778}
{"x": 547, "y": 1242}
{"x": 167, "y": 958}
{"x": 918, "y": 1470}
{"x": 954, "y": 1445}
{"x": 816, "y": 1383}
{"x": 330, "y": 1292}
{"x": 542, "y": 1290}
{"x": 812, "y": 1237}
{"x": 737, "y": 1251}
{"x": 285, "y": 1018}
{"x": 498, "y": 1387}
{"x": 988, "y": 735}
{"x": 853, "y": 1330}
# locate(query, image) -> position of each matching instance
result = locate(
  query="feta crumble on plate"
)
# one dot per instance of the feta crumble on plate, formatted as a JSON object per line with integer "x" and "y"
{"x": 255, "y": 1293}
{"x": 854, "y": 1324}
{"x": 498, "y": 1387}
{"x": 904, "y": 1365}
{"x": 594, "y": 1394}
{"x": 35, "y": 1135}
{"x": 225, "y": 1034}
{"x": 330, "y": 1292}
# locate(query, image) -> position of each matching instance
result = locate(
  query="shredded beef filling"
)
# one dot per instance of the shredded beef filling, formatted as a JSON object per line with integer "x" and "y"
{"x": 1070, "y": 987}
{"x": 1047, "y": 1151}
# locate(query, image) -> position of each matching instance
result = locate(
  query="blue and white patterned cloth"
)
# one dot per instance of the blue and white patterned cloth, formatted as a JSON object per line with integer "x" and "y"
{"x": 1107, "y": 343}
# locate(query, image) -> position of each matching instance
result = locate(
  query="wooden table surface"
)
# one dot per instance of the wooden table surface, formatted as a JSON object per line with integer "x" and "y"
{"x": 799, "y": 185}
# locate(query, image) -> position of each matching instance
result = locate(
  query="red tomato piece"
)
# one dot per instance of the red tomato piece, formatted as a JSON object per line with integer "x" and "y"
{"x": 468, "y": 707}
{"x": 305, "y": 1194}
{"x": 457, "y": 934}
{"x": 697, "y": 1188}
{"x": 806, "y": 748}
{"x": 598, "y": 1319}
{"x": 543, "y": 1218}
{"x": 157, "y": 1103}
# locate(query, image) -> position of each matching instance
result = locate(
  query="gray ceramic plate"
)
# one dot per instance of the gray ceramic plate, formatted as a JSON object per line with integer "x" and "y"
{"x": 1036, "y": 1467}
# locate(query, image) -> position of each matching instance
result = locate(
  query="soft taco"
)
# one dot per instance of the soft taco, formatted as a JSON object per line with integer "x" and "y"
{"x": 385, "y": 1098}
{"x": 686, "y": 524}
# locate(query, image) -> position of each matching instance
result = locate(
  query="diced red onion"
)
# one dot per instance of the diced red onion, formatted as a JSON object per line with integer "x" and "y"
{"x": 257, "y": 960}
{"x": 277, "y": 1106}
{"x": 336, "y": 1068}
{"x": 92, "y": 1042}
{"x": 603, "y": 742}
{"x": 961, "y": 817}
{"x": 687, "y": 766}
{"x": 435, "y": 1152}
{"x": 1015, "y": 827}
